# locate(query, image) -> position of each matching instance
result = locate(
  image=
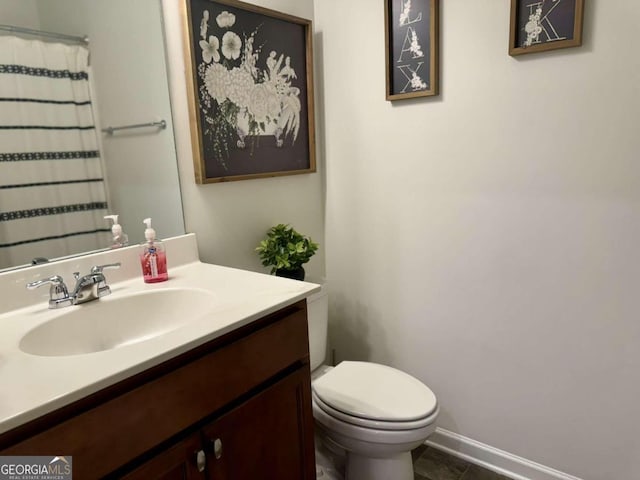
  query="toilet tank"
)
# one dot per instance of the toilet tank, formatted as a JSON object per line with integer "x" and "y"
{"x": 318, "y": 314}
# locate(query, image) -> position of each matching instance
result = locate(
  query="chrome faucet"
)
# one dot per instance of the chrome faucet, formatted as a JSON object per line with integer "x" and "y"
{"x": 92, "y": 286}
{"x": 88, "y": 287}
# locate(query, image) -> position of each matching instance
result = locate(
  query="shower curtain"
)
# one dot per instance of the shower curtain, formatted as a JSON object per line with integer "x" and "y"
{"x": 52, "y": 190}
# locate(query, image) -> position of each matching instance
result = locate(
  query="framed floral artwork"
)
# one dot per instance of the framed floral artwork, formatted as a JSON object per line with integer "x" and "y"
{"x": 541, "y": 25}
{"x": 250, "y": 88}
{"x": 412, "y": 48}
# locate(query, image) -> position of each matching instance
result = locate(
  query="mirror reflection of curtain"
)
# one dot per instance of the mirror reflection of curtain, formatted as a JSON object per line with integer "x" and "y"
{"x": 52, "y": 191}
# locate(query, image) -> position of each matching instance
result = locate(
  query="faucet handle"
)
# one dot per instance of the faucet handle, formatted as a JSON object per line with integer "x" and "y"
{"x": 58, "y": 293}
{"x": 100, "y": 268}
{"x": 57, "y": 285}
{"x": 102, "y": 288}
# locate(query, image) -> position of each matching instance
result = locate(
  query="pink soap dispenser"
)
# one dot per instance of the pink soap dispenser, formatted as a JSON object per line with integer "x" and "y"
{"x": 153, "y": 257}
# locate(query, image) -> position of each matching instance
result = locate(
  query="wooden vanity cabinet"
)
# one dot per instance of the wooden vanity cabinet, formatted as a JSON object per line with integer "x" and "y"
{"x": 260, "y": 438}
{"x": 178, "y": 462}
{"x": 236, "y": 408}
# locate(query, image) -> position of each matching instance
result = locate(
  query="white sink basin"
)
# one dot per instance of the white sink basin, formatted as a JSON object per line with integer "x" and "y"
{"x": 116, "y": 321}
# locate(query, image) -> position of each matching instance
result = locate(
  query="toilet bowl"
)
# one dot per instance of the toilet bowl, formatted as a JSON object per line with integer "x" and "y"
{"x": 375, "y": 413}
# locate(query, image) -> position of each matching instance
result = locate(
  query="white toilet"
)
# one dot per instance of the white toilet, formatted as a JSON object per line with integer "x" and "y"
{"x": 374, "y": 413}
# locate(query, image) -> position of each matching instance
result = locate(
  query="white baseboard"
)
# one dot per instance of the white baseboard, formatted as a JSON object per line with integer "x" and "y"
{"x": 493, "y": 459}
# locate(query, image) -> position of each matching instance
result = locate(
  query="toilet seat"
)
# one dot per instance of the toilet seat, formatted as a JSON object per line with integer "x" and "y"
{"x": 380, "y": 440}
{"x": 373, "y": 424}
{"x": 375, "y": 396}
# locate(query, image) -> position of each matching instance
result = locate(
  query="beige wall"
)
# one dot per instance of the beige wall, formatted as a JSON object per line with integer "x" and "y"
{"x": 23, "y": 13}
{"x": 486, "y": 240}
{"x": 231, "y": 218}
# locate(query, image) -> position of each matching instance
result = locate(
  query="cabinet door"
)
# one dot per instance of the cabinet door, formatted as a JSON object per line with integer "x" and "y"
{"x": 183, "y": 461}
{"x": 270, "y": 436}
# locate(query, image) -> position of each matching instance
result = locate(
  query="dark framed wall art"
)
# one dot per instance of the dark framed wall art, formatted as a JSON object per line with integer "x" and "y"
{"x": 412, "y": 48}
{"x": 541, "y": 25}
{"x": 250, "y": 87}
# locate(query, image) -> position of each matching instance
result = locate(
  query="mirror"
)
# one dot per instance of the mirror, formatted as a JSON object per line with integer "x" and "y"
{"x": 128, "y": 85}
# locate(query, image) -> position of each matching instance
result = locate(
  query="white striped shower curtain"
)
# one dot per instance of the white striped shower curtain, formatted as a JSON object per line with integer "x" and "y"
{"x": 52, "y": 190}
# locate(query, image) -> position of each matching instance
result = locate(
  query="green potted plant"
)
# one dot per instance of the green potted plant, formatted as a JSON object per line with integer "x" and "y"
{"x": 285, "y": 251}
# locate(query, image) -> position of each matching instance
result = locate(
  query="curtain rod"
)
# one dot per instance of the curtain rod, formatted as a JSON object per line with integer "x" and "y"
{"x": 161, "y": 124}
{"x": 29, "y": 31}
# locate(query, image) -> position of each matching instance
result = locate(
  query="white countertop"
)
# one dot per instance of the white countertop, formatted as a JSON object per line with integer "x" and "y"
{"x": 35, "y": 385}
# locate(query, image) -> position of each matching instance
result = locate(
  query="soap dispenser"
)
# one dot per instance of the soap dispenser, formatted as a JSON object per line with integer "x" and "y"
{"x": 120, "y": 239}
{"x": 153, "y": 257}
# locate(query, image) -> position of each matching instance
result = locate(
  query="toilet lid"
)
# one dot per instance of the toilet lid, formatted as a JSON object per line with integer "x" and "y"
{"x": 373, "y": 391}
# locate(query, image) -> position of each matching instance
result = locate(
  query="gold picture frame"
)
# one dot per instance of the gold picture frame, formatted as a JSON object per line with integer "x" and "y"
{"x": 412, "y": 47}
{"x": 250, "y": 91}
{"x": 543, "y": 25}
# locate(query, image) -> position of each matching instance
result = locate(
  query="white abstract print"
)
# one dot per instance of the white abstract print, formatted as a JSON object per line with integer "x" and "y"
{"x": 239, "y": 99}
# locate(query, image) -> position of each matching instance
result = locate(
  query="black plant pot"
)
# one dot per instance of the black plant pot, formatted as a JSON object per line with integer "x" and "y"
{"x": 297, "y": 274}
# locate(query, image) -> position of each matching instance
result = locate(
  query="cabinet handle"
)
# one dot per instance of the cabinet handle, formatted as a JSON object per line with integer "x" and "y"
{"x": 201, "y": 460}
{"x": 217, "y": 448}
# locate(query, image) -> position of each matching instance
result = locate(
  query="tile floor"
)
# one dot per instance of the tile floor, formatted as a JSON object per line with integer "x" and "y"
{"x": 428, "y": 464}
{"x": 432, "y": 464}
